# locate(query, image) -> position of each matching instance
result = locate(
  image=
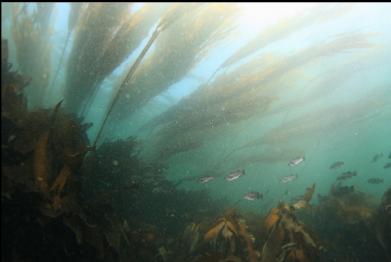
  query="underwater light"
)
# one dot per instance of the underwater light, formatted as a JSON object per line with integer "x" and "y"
{"x": 266, "y": 13}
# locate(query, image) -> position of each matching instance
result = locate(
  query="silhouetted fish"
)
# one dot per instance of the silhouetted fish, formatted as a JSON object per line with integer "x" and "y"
{"x": 346, "y": 175}
{"x": 376, "y": 157}
{"x": 235, "y": 175}
{"x": 375, "y": 181}
{"x": 296, "y": 161}
{"x": 336, "y": 165}
{"x": 388, "y": 165}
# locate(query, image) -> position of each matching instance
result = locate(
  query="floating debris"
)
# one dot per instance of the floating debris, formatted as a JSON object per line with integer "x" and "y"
{"x": 288, "y": 178}
{"x": 296, "y": 161}
{"x": 336, "y": 165}
{"x": 375, "y": 181}
{"x": 235, "y": 175}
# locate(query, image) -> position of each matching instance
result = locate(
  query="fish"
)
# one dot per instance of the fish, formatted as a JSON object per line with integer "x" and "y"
{"x": 235, "y": 175}
{"x": 296, "y": 161}
{"x": 346, "y": 175}
{"x": 388, "y": 165}
{"x": 375, "y": 181}
{"x": 389, "y": 156}
{"x": 205, "y": 179}
{"x": 288, "y": 178}
{"x": 253, "y": 195}
{"x": 376, "y": 157}
{"x": 336, "y": 165}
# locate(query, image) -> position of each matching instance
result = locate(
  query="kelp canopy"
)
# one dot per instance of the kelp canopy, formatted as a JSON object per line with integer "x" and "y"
{"x": 105, "y": 36}
{"x": 195, "y": 33}
{"x": 247, "y": 91}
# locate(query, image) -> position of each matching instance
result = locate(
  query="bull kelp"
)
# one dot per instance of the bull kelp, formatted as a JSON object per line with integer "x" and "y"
{"x": 196, "y": 132}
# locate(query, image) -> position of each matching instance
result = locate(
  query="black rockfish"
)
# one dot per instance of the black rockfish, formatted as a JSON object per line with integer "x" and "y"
{"x": 336, "y": 165}
{"x": 347, "y": 175}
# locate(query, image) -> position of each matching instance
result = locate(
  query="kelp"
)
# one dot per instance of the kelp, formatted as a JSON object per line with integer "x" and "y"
{"x": 304, "y": 202}
{"x": 249, "y": 240}
{"x": 31, "y": 35}
{"x": 33, "y": 217}
{"x": 242, "y": 94}
{"x": 174, "y": 56}
{"x": 346, "y": 217}
{"x": 42, "y": 156}
{"x": 163, "y": 24}
{"x": 319, "y": 122}
{"x": 77, "y": 213}
{"x": 227, "y": 235}
{"x": 333, "y": 81}
{"x": 286, "y": 27}
{"x": 383, "y": 224}
{"x": 129, "y": 36}
{"x": 74, "y": 15}
{"x": 13, "y": 103}
{"x": 98, "y": 25}
{"x": 288, "y": 239}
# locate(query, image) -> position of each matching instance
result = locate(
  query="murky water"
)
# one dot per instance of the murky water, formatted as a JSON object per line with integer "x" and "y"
{"x": 181, "y": 123}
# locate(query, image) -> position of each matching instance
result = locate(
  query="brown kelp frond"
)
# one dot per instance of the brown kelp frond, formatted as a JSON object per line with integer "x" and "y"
{"x": 319, "y": 121}
{"x": 240, "y": 95}
{"x": 252, "y": 80}
{"x": 129, "y": 36}
{"x": 98, "y": 26}
{"x": 177, "y": 50}
{"x": 243, "y": 232}
{"x": 130, "y": 74}
{"x": 31, "y": 36}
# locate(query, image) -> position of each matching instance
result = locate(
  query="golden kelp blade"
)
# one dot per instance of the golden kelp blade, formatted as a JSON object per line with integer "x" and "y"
{"x": 41, "y": 162}
{"x": 272, "y": 218}
{"x": 214, "y": 231}
{"x": 59, "y": 183}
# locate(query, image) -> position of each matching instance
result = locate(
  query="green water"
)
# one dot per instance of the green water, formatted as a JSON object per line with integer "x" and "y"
{"x": 221, "y": 88}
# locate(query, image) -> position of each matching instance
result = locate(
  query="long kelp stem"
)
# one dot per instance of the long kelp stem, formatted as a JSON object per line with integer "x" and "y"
{"x": 173, "y": 15}
{"x": 60, "y": 61}
{"x": 128, "y": 78}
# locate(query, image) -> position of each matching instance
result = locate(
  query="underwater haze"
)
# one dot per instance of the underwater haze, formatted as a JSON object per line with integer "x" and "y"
{"x": 225, "y": 99}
